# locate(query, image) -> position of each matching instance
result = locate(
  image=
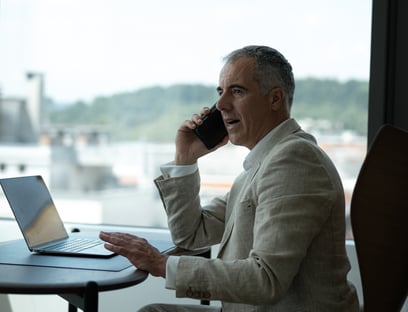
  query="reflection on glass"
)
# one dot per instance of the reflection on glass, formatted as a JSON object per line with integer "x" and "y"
{"x": 34, "y": 209}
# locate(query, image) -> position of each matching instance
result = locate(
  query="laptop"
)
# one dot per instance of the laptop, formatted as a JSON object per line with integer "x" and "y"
{"x": 41, "y": 225}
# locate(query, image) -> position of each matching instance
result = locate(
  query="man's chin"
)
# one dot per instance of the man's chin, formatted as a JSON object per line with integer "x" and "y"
{"x": 236, "y": 141}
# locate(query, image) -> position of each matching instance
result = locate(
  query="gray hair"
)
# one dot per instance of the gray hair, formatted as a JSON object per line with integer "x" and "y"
{"x": 270, "y": 67}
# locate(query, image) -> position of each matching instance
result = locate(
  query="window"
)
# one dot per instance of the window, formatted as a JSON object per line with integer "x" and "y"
{"x": 92, "y": 92}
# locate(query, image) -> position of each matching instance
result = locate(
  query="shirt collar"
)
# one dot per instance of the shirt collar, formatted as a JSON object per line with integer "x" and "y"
{"x": 255, "y": 153}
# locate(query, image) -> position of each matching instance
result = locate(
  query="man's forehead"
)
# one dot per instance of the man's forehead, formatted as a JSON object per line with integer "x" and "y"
{"x": 240, "y": 69}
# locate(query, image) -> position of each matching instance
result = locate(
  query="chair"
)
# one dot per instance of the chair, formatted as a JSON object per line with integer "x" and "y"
{"x": 379, "y": 218}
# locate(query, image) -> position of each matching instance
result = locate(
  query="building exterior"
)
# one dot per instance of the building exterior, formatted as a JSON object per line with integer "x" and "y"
{"x": 64, "y": 156}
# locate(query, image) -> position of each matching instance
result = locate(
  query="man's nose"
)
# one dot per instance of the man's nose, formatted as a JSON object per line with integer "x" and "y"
{"x": 222, "y": 104}
{"x": 218, "y": 106}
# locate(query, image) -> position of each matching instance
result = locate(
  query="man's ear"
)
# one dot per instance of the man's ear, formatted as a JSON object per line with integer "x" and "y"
{"x": 277, "y": 98}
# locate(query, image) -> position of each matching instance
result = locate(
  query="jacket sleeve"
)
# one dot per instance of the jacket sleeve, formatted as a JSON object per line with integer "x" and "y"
{"x": 191, "y": 225}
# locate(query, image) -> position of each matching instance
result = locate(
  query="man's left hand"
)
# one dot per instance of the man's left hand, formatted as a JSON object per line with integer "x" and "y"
{"x": 139, "y": 252}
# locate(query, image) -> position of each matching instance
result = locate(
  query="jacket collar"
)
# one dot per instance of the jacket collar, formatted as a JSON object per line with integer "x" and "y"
{"x": 281, "y": 131}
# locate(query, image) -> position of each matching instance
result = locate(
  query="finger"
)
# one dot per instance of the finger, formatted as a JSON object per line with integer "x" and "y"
{"x": 111, "y": 247}
{"x": 108, "y": 236}
{"x": 114, "y": 237}
{"x": 204, "y": 111}
{"x": 134, "y": 251}
{"x": 122, "y": 251}
{"x": 189, "y": 124}
{"x": 197, "y": 119}
{"x": 104, "y": 236}
{"x": 116, "y": 242}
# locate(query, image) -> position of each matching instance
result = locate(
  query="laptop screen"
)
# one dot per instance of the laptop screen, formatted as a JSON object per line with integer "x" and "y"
{"x": 33, "y": 209}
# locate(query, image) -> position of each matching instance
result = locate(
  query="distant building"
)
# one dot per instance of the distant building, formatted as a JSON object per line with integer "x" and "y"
{"x": 71, "y": 158}
{"x": 15, "y": 122}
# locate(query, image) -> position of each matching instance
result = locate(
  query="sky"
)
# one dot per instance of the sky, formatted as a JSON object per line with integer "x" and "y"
{"x": 89, "y": 48}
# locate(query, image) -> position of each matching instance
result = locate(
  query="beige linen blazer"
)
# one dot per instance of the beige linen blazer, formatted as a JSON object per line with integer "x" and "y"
{"x": 280, "y": 230}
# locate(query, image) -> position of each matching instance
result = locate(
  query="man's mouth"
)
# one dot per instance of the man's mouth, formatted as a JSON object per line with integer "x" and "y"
{"x": 231, "y": 121}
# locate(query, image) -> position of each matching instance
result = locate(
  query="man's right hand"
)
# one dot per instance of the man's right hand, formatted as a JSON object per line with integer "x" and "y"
{"x": 188, "y": 146}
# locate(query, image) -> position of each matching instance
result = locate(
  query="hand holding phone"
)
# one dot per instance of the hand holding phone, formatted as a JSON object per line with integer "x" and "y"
{"x": 212, "y": 131}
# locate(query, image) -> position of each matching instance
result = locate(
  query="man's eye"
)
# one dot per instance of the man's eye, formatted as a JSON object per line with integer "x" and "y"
{"x": 236, "y": 91}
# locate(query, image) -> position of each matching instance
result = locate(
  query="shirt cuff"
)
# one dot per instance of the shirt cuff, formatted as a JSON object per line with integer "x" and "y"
{"x": 170, "y": 170}
{"x": 171, "y": 269}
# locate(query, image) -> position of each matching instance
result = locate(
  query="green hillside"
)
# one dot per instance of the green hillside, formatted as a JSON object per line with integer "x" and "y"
{"x": 155, "y": 113}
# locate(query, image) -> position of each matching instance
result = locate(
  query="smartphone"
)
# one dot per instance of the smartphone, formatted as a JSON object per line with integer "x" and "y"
{"x": 212, "y": 130}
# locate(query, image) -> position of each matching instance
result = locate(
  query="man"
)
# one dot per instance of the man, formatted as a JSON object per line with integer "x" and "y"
{"x": 281, "y": 228}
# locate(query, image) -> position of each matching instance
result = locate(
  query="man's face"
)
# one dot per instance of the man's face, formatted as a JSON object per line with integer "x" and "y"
{"x": 248, "y": 115}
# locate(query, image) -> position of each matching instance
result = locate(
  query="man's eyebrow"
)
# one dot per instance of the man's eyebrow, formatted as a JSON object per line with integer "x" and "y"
{"x": 237, "y": 86}
{"x": 219, "y": 89}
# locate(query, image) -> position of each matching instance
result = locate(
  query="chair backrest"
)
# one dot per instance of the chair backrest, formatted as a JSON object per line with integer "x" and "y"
{"x": 379, "y": 218}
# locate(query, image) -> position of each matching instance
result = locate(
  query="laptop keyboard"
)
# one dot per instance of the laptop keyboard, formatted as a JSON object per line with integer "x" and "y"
{"x": 75, "y": 244}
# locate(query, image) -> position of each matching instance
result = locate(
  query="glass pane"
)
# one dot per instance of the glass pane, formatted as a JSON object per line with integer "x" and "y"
{"x": 92, "y": 92}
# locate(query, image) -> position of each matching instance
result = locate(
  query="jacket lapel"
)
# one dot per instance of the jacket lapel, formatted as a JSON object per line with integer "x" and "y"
{"x": 234, "y": 196}
{"x": 246, "y": 177}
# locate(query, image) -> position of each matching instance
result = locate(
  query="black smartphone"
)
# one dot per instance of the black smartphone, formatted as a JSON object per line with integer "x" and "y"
{"x": 212, "y": 130}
